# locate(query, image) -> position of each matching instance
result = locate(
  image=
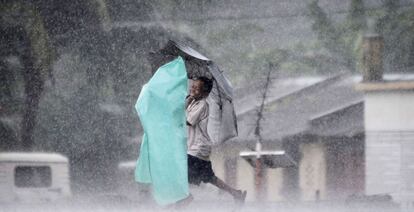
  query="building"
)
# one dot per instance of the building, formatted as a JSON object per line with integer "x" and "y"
{"x": 333, "y": 131}
{"x": 389, "y": 124}
{"x": 319, "y": 122}
{"x": 350, "y": 135}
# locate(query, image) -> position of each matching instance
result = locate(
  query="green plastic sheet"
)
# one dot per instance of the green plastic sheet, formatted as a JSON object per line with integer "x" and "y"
{"x": 162, "y": 161}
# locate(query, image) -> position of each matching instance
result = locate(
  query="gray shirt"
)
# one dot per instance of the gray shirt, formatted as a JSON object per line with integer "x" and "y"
{"x": 198, "y": 142}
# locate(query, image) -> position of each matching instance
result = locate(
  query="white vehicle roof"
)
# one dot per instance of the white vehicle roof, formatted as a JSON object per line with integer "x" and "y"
{"x": 127, "y": 165}
{"x": 32, "y": 157}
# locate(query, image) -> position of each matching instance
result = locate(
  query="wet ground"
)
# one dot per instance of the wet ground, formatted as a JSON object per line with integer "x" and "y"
{"x": 205, "y": 199}
{"x": 196, "y": 205}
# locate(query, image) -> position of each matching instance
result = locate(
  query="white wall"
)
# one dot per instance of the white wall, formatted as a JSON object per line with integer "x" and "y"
{"x": 245, "y": 179}
{"x": 389, "y": 111}
{"x": 312, "y": 171}
{"x": 275, "y": 184}
{"x": 389, "y": 124}
{"x": 245, "y": 176}
{"x": 7, "y": 182}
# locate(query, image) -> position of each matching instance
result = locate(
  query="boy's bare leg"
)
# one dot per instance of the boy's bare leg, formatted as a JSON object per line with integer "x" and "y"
{"x": 184, "y": 202}
{"x": 237, "y": 194}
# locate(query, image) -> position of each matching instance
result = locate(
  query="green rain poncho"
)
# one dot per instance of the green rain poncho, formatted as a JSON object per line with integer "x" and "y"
{"x": 162, "y": 160}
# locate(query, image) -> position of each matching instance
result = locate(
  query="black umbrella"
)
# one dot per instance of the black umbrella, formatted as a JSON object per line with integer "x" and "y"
{"x": 222, "y": 119}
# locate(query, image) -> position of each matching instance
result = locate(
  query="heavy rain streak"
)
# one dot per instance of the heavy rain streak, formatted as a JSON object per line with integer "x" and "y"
{"x": 207, "y": 105}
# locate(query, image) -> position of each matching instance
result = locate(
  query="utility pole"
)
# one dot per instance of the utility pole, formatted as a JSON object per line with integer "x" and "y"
{"x": 261, "y": 159}
{"x": 259, "y": 168}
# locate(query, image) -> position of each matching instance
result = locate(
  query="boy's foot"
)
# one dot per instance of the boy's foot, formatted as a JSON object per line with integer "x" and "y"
{"x": 184, "y": 202}
{"x": 241, "y": 196}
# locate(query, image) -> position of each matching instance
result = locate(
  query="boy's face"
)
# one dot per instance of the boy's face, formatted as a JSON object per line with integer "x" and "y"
{"x": 196, "y": 89}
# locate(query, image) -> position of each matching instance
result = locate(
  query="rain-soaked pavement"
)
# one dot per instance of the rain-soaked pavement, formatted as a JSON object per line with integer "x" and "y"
{"x": 206, "y": 198}
{"x": 212, "y": 203}
{"x": 195, "y": 206}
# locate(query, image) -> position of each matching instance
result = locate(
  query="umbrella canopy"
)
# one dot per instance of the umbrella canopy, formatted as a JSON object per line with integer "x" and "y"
{"x": 197, "y": 65}
{"x": 222, "y": 120}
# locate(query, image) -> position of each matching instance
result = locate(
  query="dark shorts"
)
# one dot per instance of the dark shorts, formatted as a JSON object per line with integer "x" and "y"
{"x": 199, "y": 171}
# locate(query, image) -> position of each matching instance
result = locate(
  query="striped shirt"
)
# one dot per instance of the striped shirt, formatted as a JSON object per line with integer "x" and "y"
{"x": 198, "y": 143}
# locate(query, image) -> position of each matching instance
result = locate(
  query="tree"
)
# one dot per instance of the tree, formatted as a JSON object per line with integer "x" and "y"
{"x": 339, "y": 39}
{"x": 343, "y": 40}
{"x": 24, "y": 34}
{"x": 397, "y": 27}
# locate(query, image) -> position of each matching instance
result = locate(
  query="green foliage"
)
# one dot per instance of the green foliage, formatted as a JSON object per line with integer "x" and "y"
{"x": 343, "y": 40}
{"x": 178, "y": 9}
{"x": 397, "y": 27}
{"x": 326, "y": 31}
{"x": 263, "y": 58}
{"x": 101, "y": 10}
{"x": 30, "y": 43}
{"x": 356, "y": 19}
{"x": 23, "y": 16}
{"x": 339, "y": 39}
{"x": 241, "y": 31}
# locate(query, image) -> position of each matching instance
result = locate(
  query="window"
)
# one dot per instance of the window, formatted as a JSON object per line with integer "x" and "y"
{"x": 32, "y": 176}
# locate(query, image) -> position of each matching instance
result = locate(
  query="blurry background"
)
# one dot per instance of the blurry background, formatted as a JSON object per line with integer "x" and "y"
{"x": 71, "y": 71}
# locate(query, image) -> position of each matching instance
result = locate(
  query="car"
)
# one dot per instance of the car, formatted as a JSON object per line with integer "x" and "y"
{"x": 33, "y": 177}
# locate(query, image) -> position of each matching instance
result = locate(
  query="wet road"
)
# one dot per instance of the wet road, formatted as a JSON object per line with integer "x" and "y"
{"x": 197, "y": 205}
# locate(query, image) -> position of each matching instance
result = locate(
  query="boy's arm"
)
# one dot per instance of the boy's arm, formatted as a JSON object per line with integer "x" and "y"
{"x": 195, "y": 114}
{"x": 188, "y": 100}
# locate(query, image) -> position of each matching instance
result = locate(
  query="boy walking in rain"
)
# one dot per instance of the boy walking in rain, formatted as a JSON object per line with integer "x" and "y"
{"x": 199, "y": 144}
